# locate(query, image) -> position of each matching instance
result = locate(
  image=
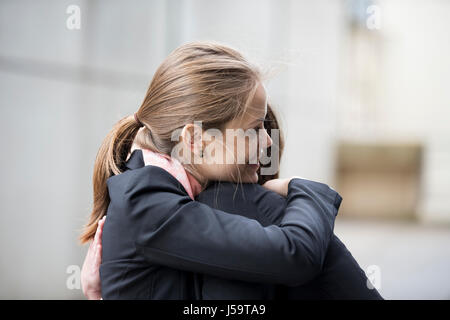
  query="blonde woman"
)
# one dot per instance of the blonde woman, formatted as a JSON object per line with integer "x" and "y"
{"x": 158, "y": 242}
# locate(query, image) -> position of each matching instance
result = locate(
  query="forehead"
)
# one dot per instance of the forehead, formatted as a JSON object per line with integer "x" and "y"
{"x": 260, "y": 97}
{"x": 256, "y": 109}
{"x": 258, "y": 105}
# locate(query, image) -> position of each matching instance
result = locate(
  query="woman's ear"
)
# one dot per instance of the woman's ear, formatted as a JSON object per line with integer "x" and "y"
{"x": 191, "y": 135}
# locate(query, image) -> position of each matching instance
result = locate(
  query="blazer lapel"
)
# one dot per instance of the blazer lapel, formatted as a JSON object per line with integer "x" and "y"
{"x": 136, "y": 160}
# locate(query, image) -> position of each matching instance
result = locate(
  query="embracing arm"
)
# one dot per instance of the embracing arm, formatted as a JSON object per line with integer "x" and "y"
{"x": 180, "y": 233}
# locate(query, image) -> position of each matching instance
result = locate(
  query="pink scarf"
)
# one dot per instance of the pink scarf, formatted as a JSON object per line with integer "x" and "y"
{"x": 175, "y": 168}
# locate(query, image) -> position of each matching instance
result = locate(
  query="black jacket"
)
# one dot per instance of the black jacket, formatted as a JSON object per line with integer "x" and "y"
{"x": 157, "y": 242}
{"x": 341, "y": 276}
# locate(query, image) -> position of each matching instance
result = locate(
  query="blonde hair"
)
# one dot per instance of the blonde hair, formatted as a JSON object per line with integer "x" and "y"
{"x": 199, "y": 81}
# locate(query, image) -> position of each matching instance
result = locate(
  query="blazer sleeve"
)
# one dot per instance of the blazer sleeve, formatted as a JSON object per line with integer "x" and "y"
{"x": 175, "y": 231}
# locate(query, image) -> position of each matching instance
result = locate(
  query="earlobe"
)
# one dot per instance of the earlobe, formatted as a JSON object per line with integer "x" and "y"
{"x": 192, "y": 138}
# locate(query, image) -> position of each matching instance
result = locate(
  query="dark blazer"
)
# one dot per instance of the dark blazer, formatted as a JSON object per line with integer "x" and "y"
{"x": 157, "y": 242}
{"x": 341, "y": 276}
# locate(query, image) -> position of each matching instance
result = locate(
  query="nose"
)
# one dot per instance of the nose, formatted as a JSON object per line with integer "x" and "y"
{"x": 268, "y": 140}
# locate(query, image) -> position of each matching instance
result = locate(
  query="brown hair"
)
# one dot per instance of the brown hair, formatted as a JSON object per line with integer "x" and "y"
{"x": 199, "y": 81}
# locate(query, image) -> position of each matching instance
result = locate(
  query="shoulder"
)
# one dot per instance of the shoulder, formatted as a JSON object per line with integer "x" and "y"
{"x": 132, "y": 183}
{"x": 145, "y": 196}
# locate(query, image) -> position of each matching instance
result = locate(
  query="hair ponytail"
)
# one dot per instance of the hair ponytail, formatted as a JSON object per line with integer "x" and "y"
{"x": 199, "y": 81}
{"x": 110, "y": 160}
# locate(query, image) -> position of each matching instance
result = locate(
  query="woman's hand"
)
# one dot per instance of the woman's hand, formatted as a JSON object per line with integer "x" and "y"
{"x": 279, "y": 186}
{"x": 90, "y": 274}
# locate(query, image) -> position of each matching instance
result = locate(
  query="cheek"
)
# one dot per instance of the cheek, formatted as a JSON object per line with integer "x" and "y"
{"x": 240, "y": 151}
{"x": 251, "y": 150}
{"x": 245, "y": 149}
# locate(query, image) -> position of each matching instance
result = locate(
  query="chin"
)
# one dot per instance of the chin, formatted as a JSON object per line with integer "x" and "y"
{"x": 250, "y": 177}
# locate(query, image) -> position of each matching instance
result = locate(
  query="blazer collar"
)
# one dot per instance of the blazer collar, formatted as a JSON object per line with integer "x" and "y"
{"x": 136, "y": 160}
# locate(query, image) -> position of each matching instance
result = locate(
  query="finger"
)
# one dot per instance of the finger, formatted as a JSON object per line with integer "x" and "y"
{"x": 100, "y": 229}
{"x": 96, "y": 235}
{"x": 90, "y": 246}
{"x": 99, "y": 236}
{"x": 98, "y": 256}
{"x": 101, "y": 223}
{"x": 89, "y": 252}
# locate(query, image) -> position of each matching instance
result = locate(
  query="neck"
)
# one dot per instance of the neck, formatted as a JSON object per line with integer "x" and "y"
{"x": 196, "y": 181}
